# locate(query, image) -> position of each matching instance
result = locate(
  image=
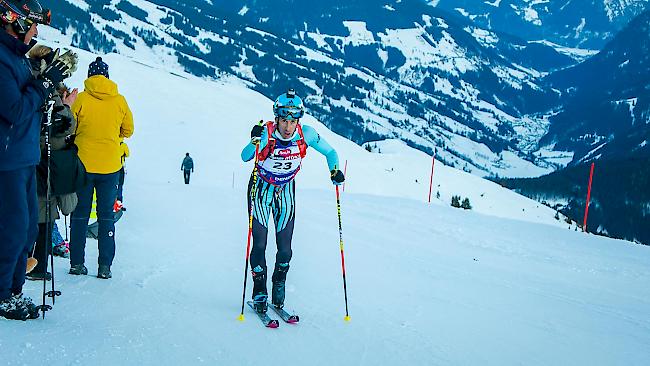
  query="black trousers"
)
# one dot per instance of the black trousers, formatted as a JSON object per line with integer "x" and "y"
{"x": 43, "y": 248}
{"x": 186, "y": 175}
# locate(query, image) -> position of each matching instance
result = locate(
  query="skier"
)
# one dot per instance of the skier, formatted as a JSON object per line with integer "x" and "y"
{"x": 283, "y": 144}
{"x": 187, "y": 166}
{"x": 21, "y": 100}
{"x": 103, "y": 118}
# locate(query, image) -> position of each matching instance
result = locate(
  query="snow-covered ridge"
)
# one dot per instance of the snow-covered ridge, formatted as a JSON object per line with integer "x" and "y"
{"x": 425, "y": 60}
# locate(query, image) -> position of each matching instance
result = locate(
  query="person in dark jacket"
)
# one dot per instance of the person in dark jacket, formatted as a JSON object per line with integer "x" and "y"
{"x": 187, "y": 166}
{"x": 60, "y": 139}
{"x": 21, "y": 110}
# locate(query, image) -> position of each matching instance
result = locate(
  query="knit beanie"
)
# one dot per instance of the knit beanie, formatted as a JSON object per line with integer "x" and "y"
{"x": 98, "y": 67}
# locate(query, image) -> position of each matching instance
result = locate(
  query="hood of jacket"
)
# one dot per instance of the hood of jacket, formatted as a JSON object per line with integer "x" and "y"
{"x": 100, "y": 87}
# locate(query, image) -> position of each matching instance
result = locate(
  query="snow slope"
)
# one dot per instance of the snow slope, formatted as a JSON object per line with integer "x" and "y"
{"x": 502, "y": 284}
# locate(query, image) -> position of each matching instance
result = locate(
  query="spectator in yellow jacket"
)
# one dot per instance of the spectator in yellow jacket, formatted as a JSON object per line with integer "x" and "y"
{"x": 103, "y": 120}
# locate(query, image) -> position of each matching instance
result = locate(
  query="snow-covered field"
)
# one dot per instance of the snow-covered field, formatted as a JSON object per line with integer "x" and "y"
{"x": 502, "y": 284}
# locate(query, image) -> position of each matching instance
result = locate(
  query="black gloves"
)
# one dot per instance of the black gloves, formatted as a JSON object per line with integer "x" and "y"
{"x": 60, "y": 123}
{"x": 337, "y": 177}
{"x": 256, "y": 132}
{"x": 56, "y": 72}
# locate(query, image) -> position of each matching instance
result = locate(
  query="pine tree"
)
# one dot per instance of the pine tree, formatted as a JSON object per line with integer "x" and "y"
{"x": 466, "y": 205}
{"x": 455, "y": 201}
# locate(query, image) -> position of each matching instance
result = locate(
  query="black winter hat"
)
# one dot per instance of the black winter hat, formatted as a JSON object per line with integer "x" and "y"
{"x": 98, "y": 67}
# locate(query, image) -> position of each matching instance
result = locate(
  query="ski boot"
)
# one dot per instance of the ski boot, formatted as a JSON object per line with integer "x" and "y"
{"x": 260, "y": 294}
{"x": 278, "y": 279}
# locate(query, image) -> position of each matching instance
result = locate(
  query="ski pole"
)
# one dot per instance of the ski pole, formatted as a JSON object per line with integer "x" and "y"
{"x": 250, "y": 226}
{"x": 345, "y": 287}
{"x": 48, "y": 231}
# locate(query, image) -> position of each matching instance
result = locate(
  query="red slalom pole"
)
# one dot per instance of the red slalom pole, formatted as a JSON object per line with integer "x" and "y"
{"x": 433, "y": 163}
{"x": 345, "y": 173}
{"x": 591, "y": 176}
{"x": 345, "y": 287}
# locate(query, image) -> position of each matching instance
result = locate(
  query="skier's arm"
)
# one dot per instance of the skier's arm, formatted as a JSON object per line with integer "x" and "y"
{"x": 248, "y": 152}
{"x": 313, "y": 139}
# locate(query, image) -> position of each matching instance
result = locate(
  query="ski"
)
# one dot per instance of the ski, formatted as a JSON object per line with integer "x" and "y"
{"x": 287, "y": 317}
{"x": 264, "y": 317}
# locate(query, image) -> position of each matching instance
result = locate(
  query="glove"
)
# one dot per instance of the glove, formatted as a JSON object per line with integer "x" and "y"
{"x": 337, "y": 177}
{"x": 56, "y": 72}
{"x": 60, "y": 123}
{"x": 256, "y": 133}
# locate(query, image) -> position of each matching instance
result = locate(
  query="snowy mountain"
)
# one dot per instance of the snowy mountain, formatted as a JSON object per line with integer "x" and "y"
{"x": 371, "y": 70}
{"x": 585, "y": 24}
{"x": 501, "y": 284}
{"x": 606, "y": 108}
{"x": 605, "y": 119}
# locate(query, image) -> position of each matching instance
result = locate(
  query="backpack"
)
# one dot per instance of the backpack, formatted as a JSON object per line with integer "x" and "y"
{"x": 270, "y": 142}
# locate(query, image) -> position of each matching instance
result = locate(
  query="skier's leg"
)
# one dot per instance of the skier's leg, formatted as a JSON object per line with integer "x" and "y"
{"x": 261, "y": 212}
{"x": 79, "y": 221}
{"x": 284, "y": 216}
{"x": 106, "y": 193}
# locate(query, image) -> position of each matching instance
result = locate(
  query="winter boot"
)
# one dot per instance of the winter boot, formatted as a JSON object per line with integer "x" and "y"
{"x": 260, "y": 294}
{"x": 61, "y": 250}
{"x": 33, "y": 311}
{"x": 11, "y": 308}
{"x": 39, "y": 276}
{"x": 104, "y": 272}
{"x": 78, "y": 269}
{"x": 278, "y": 279}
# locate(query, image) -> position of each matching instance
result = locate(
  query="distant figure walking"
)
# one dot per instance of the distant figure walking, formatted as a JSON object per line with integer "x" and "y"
{"x": 187, "y": 167}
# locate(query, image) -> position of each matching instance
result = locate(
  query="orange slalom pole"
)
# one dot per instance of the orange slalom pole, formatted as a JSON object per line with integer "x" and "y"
{"x": 433, "y": 163}
{"x": 591, "y": 176}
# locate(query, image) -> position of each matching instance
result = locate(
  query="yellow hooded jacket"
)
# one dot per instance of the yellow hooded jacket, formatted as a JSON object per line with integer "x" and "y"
{"x": 103, "y": 120}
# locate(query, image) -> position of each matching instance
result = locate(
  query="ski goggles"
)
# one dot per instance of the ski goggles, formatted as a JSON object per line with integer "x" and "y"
{"x": 41, "y": 18}
{"x": 11, "y": 16}
{"x": 290, "y": 113}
